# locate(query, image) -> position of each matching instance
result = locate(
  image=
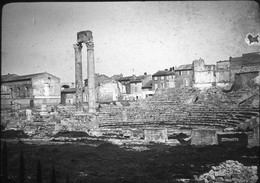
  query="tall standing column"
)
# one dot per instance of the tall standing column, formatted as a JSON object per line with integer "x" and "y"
{"x": 91, "y": 77}
{"x": 78, "y": 76}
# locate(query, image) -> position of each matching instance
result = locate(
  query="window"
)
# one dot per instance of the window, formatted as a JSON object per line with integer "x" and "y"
{"x": 18, "y": 91}
{"x": 162, "y": 77}
{"x": 11, "y": 92}
{"x": 155, "y": 78}
{"x": 155, "y": 86}
{"x": 26, "y": 92}
{"x": 46, "y": 89}
{"x": 162, "y": 85}
{"x": 180, "y": 73}
{"x": 186, "y": 82}
{"x": 188, "y": 72}
{"x": 167, "y": 85}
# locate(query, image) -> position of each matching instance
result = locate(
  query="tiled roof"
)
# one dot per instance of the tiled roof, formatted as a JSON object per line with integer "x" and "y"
{"x": 148, "y": 84}
{"x": 184, "y": 67}
{"x": 8, "y": 76}
{"x": 127, "y": 78}
{"x": 139, "y": 79}
{"x": 164, "y": 73}
{"x": 68, "y": 90}
{"x": 24, "y": 77}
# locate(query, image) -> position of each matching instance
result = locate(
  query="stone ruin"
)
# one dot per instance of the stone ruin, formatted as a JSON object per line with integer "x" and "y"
{"x": 230, "y": 171}
{"x": 86, "y": 38}
{"x": 202, "y": 115}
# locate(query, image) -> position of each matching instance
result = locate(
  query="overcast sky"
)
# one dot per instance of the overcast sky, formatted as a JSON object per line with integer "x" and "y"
{"x": 129, "y": 37}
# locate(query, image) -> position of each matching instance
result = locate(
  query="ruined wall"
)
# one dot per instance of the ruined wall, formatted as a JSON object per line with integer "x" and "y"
{"x": 108, "y": 92}
{"x": 245, "y": 80}
{"x": 247, "y": 63}
{"x": 204, "y": 75}
{"x": 222, "y": 73}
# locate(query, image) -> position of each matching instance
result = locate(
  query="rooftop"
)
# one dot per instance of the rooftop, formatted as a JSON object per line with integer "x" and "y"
{"x": 139, "y": 79}
{"x": 164, "y": 73}
{"x": 14, "y": 77}
{"x": 184, "y": 67}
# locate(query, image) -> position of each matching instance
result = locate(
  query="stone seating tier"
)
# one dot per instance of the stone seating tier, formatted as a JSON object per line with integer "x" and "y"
{"x": 213, "y": 108}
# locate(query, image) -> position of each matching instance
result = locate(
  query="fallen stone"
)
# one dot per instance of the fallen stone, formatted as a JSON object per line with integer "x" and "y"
{"x": 220, "y": 173}
{"x": 219, "y": 179}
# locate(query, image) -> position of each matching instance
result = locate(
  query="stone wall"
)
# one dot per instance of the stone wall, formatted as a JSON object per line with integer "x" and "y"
{"x": 203, "y": 137}
{"x": 46, "y": 85}
{"x": 17, "y": 89}
{"x": 186, "y": 79}
{"x": 204, "y": 75}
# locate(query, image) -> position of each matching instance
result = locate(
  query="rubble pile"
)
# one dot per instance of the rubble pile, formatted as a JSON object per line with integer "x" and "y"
{"x": 230, "y": 171}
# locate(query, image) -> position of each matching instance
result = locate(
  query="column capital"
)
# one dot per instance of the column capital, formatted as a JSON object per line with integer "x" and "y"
{"x": 77, "y": 46}
{"x": 90, "y": 45}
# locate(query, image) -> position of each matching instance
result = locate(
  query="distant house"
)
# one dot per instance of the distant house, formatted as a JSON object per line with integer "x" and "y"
{"x": 184, "y": 76}
{"x": 137, "y": 84}
{"x": 30, "y": 90}
{"x": 99, "y": 78}
{"x": 126, "y": 82}
{"x": 109, "y": 90}
{"x": 164, "y": 79}
{"x": 117, "y": 77}
{"x": 147, "y": 89}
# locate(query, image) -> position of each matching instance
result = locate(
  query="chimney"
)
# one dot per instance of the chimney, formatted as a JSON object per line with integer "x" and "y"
{"x": 145, "y": 73}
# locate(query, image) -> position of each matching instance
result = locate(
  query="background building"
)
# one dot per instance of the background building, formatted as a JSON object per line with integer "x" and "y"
{"x": 30, "y": 90}
{"x": 184, "y": 76}
{"x": 164, "y": 79}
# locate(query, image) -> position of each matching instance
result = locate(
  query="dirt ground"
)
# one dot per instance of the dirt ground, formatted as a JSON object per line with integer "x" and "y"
{"x": 100, "y": 161}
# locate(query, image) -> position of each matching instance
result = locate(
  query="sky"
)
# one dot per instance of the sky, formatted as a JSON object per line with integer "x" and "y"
{"x": 129, "y": 37}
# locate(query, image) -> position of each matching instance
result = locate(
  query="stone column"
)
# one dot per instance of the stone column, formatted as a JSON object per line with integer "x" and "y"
{"x": 78, "y": 76}
{"x": 91, "y": 77}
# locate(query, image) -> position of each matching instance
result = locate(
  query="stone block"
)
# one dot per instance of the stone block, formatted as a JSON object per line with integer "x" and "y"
{"x": 156, "y": 134}
{"x": 203, "y": 137}
{"x": 84, "y": 36}
{"x": 220, "y": 173}
{"x": 28, "y": 114}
